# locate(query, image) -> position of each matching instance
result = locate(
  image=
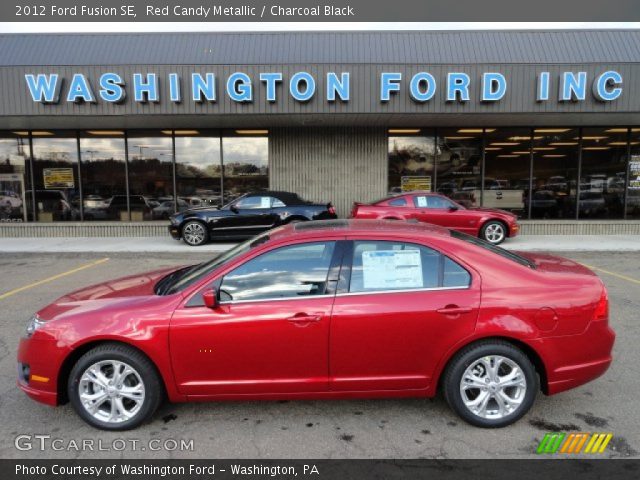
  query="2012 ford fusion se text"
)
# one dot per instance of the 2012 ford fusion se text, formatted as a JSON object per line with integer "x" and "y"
{"x": 326, "y": 309}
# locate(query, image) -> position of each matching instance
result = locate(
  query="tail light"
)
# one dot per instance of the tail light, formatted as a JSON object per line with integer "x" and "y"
{"x": 331, "y": 209}
{"x": 601, "y": 311}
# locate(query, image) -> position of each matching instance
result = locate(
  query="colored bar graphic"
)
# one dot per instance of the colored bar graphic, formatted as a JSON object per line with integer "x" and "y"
{"x": 573, "y": 443}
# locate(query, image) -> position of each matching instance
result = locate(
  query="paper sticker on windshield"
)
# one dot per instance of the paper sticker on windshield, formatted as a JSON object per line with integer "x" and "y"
{"x": 422, "y": 202}
{"x": 265, "y": 202}
{"x": 392, "y": 269}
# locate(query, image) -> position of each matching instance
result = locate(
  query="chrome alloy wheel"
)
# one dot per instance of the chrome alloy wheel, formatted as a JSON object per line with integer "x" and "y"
{"x": 494, "y": 233}
{"x": 111, "y": 391}
{"x": 493, "y": 387}
{"x": 194, "y": 233}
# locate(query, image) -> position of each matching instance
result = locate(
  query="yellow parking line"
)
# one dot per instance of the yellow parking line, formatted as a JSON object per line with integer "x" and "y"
{"x": 51, "y": 279}
{"x": 613, "y": 274}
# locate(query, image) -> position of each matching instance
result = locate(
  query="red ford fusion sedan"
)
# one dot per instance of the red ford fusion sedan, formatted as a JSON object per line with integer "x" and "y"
{"x": 331, "y": 309}
{"x": 491, "y": 224}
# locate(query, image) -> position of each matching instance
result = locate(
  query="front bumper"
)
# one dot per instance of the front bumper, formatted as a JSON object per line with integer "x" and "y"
{"x": 39, "y": 361}
{"x": 514, "y": 229}
{"x": 174, "y": 231}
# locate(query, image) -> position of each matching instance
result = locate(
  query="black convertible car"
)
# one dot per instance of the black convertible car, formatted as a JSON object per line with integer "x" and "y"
{"x": 245, "y": 217}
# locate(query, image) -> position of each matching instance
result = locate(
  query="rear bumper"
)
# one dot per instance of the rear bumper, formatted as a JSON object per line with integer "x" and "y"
{"x": 574, "y": 360}
{"x": 174, "y": 231}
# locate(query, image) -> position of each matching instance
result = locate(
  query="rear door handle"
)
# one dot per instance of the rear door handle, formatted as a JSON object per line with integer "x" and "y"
{"x": 454, "y": 310}
{"x": 305, "y": 318}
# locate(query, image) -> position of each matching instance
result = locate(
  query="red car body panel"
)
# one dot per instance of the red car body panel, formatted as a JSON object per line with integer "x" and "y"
{"x": 465, "y": 220}
{"x": 383, "y": 344}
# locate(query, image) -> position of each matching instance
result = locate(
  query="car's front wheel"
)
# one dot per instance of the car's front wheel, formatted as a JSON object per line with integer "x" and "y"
{"x": 490, "y": 384}
{"x": 114, "y": 387}
{"x": 194, "y": 233}
{"x": 494, "y": 232}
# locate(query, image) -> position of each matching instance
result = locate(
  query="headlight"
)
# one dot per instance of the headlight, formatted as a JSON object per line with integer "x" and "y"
{"x": 34, "y": 324}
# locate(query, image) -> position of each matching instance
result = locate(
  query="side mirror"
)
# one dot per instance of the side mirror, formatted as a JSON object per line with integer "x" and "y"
{"x": 210, "y": 297}
{"x": 233, "y": 208}
{"x": 453, "y": 208}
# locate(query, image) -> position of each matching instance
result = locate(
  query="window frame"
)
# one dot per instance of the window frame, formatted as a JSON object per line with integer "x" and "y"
{"x": 344, "y": 282}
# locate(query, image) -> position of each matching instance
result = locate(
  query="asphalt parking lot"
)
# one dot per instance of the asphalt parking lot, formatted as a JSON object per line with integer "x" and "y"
{"x": 409, "y": 428}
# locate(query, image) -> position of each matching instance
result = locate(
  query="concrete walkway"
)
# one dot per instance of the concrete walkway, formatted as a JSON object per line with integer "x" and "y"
{"x": 555, "y": 243}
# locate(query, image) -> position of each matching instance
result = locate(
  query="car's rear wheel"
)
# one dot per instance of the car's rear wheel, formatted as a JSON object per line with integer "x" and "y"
{"x": 494, "y": 232}
{"x": 114, "y": 387}
{"x": 194, "y": 233}
{"x": 490, "y": 384}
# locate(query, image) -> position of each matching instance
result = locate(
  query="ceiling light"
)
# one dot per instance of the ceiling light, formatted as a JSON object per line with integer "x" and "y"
{"x": 553, "y": 156}
{"x": 560, "y": 144}
{"x": 544, "y": 148}
{"x": 524, "y": 138}
{"x": 181, "y": 132}
{"x": 492, "y": 148}
{"x": 523, "y": 152}
{"x": 252, "y": 132}
{"x": 476, "y": 130}
{"x": 457, "y": 138}
{"x": 591, "y": 138}
{"x": 508, "y": 156}
{"x": 105, "y": 132}
{"x": 505, "y": 144}
{"x": 596, "y": 148}
{"x": 404, "y": 130}
{"x": 621, "y": 130}
{"x": 551, "y": 130}
{"x": 618, "y": 143}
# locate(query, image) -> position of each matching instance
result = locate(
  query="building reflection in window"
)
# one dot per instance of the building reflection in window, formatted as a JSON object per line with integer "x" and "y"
{"x": 150, "y": 175}
{"x": 103, "y": 169}
{"x": 245, "y": 157}
{"x": 56, "y": 177}
{"x": 603, "y": 174}
{"x": 198, "y": 169}
{"x": 459, "y": 164}
{"x": 555, "y": 172}
{"x": 411, "y": 160}
{"x": 633, "y": 185}
{"x": 507, "y": 163}
{"x": 14, "y": 175}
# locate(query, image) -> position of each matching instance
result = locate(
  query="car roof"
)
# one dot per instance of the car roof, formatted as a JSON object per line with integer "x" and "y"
{"x": 357, "y": 226}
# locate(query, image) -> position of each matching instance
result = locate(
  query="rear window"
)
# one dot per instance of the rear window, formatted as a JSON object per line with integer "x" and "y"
{"x": 514, "y": 257}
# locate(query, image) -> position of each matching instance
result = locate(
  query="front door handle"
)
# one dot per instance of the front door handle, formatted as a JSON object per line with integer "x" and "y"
{"x": 303, "y": 319}
{"x": 454, "y": 310}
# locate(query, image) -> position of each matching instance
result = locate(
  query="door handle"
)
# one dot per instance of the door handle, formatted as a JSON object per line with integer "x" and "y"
{"x": 302, "y": 318}
{"x": 454, "y": 310}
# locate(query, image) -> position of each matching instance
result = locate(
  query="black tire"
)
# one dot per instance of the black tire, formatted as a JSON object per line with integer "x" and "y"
{"x": 152, "y": 384}
{"x": 489, "y": 229}
{"x": 195, "y": 240}
{"x": 467, "y": 357}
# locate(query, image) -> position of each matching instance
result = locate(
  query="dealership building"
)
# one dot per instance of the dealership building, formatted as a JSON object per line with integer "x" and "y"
{"x": 121, "y": 130}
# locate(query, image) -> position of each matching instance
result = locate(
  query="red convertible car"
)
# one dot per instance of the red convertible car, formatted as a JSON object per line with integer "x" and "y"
{"x": 490, "y": 224}
{"x": 326, "y": 309}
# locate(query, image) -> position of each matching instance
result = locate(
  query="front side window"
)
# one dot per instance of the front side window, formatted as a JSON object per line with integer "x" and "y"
{"x": 254, "y": 202}
{"x": 385, "y": 266}
{"x": 288, "y": 272}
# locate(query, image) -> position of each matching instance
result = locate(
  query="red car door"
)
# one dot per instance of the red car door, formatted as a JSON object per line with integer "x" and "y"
{"x": 438, "y": 210}
{"x": 404, "y": 306}
{"x": 270, "y": 331}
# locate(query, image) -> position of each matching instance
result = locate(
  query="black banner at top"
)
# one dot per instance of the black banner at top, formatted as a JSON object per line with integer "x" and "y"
{"x": 320, "y": 11}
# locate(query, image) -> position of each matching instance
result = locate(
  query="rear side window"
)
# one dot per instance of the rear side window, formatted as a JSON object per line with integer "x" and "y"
{"x": 388, "y": 266}
{"x": 398, "y": 202}
{"x": 493, "y": 248}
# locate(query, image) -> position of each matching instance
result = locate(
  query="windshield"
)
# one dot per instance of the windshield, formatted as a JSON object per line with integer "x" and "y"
{"x": 181, "y": 279}
{"x": 492, "y": 248}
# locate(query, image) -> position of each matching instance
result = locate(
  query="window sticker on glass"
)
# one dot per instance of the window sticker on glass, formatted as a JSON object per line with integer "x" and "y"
{"x": 265, "y": 202}
{"x": 392, "y": 269}
{"x": 422, "y": 202}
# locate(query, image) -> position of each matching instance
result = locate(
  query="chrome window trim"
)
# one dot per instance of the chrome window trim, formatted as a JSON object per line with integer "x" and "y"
{"x": 276, "y": 299}
{"x": 404, "y": 290}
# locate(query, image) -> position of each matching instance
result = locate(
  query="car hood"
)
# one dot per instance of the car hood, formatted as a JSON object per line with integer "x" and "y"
{"x": 125, "y": 290}
{"x": 554, "y": 264}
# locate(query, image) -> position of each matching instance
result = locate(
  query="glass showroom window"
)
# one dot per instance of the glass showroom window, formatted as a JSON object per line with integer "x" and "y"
{"x": 56, "y": 176}
{"x": 507, "y": 162}
{"x": 603, "y": 174}
{"x": 555, "y": 172}
{"x": 198, "y": 168}
{"x": 150, "y": 175}
{"x": 14, "y": 176}
{"x": 245, "y": 157}
{"x": 412, "y": 156}
{"x": 459, "y": 164}
{"x": 633, "y": 188}
{"x": 104, "y": 190}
